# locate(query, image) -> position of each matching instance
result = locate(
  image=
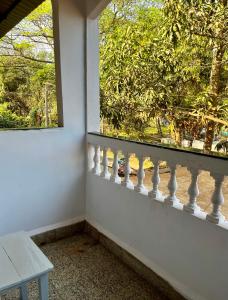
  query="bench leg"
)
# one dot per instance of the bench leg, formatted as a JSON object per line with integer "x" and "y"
{"x": 43, "y": 287}
{"x": 23, "y": 292}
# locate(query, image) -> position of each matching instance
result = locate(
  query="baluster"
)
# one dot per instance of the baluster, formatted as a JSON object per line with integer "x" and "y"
{"x": 172, "y": 186}
{"x": 97, "y": 166}
{"x": 155, "y": 194}
{"x": 141, "y": 174}
{"x": 90, "y": 161}
{"x": 193, "y": 192}
{"x": 217, "y": 200}
{"x": 115, "y": 167}
{"x": 105, "y": 173}
{"x": 127, "y": 169}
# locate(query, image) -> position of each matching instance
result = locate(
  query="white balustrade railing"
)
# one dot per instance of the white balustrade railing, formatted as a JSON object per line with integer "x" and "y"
{"x": 127, "y": 169}
{"x": 193, "y": 191}
{"x": 172, "y": 186}
{"x": 105, "y": 173}
{"x": 97, "y": 166}
{"x": 115, "y": 166}
{"x": 141, "y": 175}
{"x": 155, "y": 192}
{"x": 194, "y": 162}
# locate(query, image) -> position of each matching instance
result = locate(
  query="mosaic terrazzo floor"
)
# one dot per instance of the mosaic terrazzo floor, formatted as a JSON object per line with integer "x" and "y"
{"x": 85, "y": 270}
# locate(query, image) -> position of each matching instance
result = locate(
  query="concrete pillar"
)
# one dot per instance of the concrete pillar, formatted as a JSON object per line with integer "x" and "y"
{"x": 69, "y": 31}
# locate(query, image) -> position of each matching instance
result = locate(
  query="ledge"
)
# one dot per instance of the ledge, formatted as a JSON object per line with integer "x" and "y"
{"x": 161, "y": 146}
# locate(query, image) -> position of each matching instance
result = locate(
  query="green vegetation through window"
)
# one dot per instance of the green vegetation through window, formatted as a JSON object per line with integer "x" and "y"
{"x": 164, "y": 72}
{"x": 27, "y": 73}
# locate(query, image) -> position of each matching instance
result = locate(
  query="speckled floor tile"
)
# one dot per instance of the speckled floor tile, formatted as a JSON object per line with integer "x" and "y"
{"x": 85, "y": 270}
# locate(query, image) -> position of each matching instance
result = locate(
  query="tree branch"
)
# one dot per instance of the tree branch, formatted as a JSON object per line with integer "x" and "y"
{"x": 28, "y": 58}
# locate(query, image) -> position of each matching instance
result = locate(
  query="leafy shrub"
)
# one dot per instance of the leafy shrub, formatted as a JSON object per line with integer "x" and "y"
{"x": 8, "y": 119}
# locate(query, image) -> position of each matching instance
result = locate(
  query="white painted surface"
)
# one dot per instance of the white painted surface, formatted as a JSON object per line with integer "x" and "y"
{"x": 42, "y": 179}
{"x": 25, "y": 256}
{"x": 188, "y": 252}
{"x": 8, "y": 275}
{"x": 183, "y": 246}
{"x": 217, "y": 167}
{"x": 198, "y": 144}
{"x": 56, "y": 226}
{"x": 167, "y": 141}
{"x": 172, "y": 156}
{"x": 92, "y": 76}
{"x": 21, "y": 260}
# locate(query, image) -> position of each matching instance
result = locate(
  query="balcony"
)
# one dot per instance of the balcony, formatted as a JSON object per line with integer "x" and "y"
{"x": 157, "y": 232}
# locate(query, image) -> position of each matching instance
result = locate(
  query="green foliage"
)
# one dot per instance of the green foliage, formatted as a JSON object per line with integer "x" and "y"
{"x": 125, "y": 64}
{"x": 27, "y": 71}
{"x": 200, "y": 22}
{"x": 157, "y": 61}
{"x": 207, "y": 19}
{"x": 8, "y": 119}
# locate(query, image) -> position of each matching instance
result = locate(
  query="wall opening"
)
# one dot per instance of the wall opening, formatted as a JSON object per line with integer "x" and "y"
{"x": 28, "y": 97}
{"x": 163, "y": 73}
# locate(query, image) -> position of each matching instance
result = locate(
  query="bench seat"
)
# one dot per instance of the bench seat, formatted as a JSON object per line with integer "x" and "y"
{"x": 22, "y": 261}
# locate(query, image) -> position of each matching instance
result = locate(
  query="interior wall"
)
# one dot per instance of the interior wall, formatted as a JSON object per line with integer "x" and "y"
{"x": 42, "y": 178}
{"x": 190, "y": 253}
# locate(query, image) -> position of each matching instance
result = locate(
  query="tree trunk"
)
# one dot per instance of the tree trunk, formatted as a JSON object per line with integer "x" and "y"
{"x": 46, "y": 108}
{"x": 177, "y": 133}
{"x": 215, "y": 80}
{"x": 210, "y": 129}
{"x": 102, "y": 126}
{"x": 159, "y": 128}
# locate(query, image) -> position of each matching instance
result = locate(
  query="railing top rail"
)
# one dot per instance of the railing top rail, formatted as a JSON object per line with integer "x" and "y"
{"x": 217, "y": 165}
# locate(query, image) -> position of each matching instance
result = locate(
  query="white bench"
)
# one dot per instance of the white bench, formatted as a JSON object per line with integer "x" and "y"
{"x": 20, "y": 262}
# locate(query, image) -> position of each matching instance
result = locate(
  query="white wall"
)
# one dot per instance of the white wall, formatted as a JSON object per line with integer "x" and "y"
{"x": 188, "y": 252}
{"x": 92, "y": 76}
{"x": 42, "y": 171}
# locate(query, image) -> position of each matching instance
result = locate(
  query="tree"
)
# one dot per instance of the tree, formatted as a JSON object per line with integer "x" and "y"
{"x": 32, "y": 38}
{"x": 128, "y": 31}
{"x": 147, "y": 73}
{"x": 205, "y": 21}
{"x": 27, "y": 65}
{"x": 142, "y": 75}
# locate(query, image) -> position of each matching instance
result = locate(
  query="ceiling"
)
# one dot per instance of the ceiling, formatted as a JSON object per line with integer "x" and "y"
{"x": 13, "y": 11}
